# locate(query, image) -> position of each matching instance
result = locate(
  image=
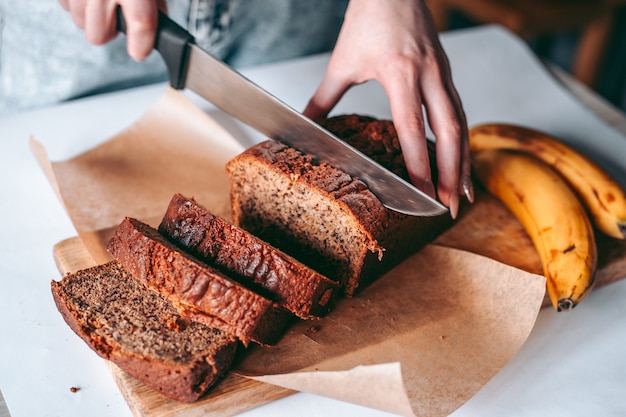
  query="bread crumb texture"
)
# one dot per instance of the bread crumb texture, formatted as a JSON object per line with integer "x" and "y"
{"x": 142, "y": 332}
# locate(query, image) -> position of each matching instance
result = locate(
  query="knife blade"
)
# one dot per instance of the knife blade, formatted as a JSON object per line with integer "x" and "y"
{"x": 189, "y": 66}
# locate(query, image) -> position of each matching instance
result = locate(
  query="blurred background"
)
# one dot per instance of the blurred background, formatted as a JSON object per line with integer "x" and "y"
{"x": 586, "y": 38}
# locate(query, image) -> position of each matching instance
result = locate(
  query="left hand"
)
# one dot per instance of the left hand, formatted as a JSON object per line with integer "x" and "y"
{"x": 395, "y": 42}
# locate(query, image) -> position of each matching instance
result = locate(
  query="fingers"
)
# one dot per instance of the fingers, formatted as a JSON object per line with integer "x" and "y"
{"x": 141, "y": 22}
{"x": 447, "y": 121}
{"x": 162, "y": 5}
{"x": 410, "y": 88}
{"x": 406, "y": 111}
{"x": 99, "y": 22}
{"x": 77, "y": 11}
{"x": 466, "y": 186}
{"x": 97, "y": 18}
{"x": 326, "y": 96}
{"x": 65, "y": 4}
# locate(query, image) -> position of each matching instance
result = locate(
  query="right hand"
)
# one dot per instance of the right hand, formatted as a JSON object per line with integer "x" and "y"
{"x": 97, "y": 19}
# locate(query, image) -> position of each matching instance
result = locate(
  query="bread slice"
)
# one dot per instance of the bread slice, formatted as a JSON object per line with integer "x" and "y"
{"x": 233, "y": 250}
{"x": 142, "y": 333}
{"x": 323, "y": 216}
{"x": 198, "y": 290}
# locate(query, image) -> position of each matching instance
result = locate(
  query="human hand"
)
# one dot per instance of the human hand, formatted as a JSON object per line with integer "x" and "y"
{"x": 98, "y": 19}
{"x": 395, "y": 42}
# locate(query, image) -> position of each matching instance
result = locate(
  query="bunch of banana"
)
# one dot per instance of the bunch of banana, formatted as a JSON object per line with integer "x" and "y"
{"x": 552, "y": 215}
{"x": 603, "y": 197}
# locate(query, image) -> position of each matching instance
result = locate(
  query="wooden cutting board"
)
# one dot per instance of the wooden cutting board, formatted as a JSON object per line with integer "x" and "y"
{"x": 485, "y": 228}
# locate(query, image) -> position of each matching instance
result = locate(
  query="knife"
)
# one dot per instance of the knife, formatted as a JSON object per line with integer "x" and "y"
{"x": 189, "y": 66}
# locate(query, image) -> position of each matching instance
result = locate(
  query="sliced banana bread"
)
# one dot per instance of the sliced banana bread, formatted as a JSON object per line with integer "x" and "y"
{"x": 234, "y": 251}
{"x": 321, "y": 215}
{"x": 142, "y": 333}
{"x": 198, "y": 290}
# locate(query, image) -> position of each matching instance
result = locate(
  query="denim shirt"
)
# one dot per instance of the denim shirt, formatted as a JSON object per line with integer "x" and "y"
{"x": 45, "y": 59}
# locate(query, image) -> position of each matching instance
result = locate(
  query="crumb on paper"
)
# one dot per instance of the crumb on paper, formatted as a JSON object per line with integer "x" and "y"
{"x": 74, "y": 389}
{"x": 313, "y": 329}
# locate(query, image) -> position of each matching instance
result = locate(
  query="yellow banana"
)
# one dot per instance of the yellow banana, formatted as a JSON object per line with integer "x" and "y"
{"x": 603, "y": 197}
{"x": 551, "y": 214}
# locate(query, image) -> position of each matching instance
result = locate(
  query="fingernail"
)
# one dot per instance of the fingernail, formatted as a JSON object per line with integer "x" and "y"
{"x": 429, "y": 188}
{"x": 468, "y": 188}
{"x": 454, "y": 204}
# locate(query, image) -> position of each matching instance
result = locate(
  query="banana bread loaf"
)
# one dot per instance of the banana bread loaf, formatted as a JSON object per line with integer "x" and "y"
{"x": 323, "y": 216}
{"x": 199, "y": 291}
{"x": 142, "y": 333}
{"x": 233, "y": 250}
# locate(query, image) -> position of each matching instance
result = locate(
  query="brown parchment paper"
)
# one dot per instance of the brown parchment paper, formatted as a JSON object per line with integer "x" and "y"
{"x": 174, "y": 147}
{"x": 419, "y": 341}
{"x": 442, "y": 323}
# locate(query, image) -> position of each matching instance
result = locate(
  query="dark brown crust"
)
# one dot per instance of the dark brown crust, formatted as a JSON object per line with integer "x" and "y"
{"x": 184, "y": 380}
{"x": 194, "y": 286}
{"x": 233, "y": 250}
{"x": 377, "y": 139}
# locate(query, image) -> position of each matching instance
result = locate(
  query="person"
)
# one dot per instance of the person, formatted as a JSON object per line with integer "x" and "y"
{"x": 393, "y": 42}
{"x": 45, "y": 59}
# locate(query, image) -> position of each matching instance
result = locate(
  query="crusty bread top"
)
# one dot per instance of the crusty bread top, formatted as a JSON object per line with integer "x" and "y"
{"x": 196, "y": 288}
{"x": 235, "y": 251}
{"x": 376, "y": 138}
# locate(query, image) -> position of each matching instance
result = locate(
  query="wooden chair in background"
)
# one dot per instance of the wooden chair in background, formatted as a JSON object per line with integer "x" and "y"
{"x": 533, "y": 18}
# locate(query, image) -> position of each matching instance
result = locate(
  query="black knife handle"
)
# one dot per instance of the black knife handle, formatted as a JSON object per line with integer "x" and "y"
{"x": 172, "y": 42}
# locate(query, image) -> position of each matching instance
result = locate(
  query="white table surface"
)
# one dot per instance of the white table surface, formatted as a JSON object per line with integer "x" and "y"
{"x": 573, "y": 364}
